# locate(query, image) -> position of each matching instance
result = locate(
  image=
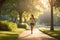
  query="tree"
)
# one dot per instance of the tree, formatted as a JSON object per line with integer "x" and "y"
{"x": 19, "y": 6}
{"x": 9, "y": 8}
{"x": 57, "y": 4}
{"x": 52, "y": 22}
{"x": 1, "y": 3}
{"x": 26, "y": 5}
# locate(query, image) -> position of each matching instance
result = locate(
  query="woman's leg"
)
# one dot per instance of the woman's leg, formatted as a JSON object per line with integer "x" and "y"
{"x": 31, "y": 29}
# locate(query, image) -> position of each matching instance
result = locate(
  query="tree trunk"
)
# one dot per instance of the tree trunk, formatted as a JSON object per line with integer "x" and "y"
{"x": 24, "y": 20}
{"x": 52, "y": 23}
{"x": 1, "y": 3}
{"x": 20, "y": 16}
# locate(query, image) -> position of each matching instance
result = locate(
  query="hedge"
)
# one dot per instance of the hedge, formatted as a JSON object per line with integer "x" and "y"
{"x": 7, "y": 26}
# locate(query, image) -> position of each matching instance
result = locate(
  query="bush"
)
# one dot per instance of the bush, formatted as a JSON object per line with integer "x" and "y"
{"x": 3, "y": 27}
{"x": 12, "y": 26}
{"x": 22, "y": 25}
{"x": 8, "y": 26}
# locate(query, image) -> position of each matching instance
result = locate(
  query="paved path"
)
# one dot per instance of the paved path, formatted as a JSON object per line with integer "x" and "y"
{"x": 37, "y": 35}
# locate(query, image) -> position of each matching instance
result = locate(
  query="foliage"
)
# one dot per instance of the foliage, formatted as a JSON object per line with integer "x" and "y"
{"x": 4, "y": 27}
{"x": 8, "y": 26}
{"x": 22, "y": 25}
{"x": 9, "y": 8}
{"x": 13, "y": 7}
{"x": 12, "y": 26}
{"x": 57, "y": 3}
{"x": 28, "y": 5}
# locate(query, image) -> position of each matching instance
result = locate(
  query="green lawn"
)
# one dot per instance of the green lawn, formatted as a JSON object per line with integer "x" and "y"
{"x": 55, "y": 33}
{"x": 6, "y": 35}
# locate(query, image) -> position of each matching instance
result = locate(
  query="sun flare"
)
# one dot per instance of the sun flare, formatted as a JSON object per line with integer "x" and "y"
{"x": 45, "y": 3}
{"x": 42, "y": 4}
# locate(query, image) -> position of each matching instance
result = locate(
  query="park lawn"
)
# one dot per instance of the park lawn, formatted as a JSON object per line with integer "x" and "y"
{"x": 55, "y": 34}
{"x": 6, "y": 35}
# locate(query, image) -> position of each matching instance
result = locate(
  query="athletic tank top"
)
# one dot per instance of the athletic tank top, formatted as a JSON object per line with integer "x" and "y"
{"x": 32, "y": 20}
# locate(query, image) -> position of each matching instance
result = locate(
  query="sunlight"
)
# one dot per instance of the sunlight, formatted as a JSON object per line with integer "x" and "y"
{"x": 37, "y": 7}
{"x": 42, "y": 5}
{"x": 35, "y": 31}
{"x": 45, "y": 3}
{"x": 18, "y": 17}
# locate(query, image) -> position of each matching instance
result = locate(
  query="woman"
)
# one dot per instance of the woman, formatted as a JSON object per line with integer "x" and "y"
{"x": 32, "y": 23}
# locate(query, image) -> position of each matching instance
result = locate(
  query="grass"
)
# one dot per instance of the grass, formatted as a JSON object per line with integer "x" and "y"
{"x": 55, "y": 33}
{"x": 6, "y": 35}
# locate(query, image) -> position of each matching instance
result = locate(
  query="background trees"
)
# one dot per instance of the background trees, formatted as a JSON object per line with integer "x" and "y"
{"x": 12, "y": 8}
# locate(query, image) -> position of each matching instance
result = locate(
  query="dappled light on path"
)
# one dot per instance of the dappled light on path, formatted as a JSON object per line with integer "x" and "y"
{"x": 35, "y": 31}
{"x": 37, "y": 35}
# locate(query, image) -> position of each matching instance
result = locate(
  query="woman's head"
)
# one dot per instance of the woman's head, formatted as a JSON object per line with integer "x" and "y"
{"x": 32, "y": 15}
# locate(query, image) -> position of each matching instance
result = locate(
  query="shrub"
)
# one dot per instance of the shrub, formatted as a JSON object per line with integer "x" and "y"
{"x": 8, "y": 26}
{"x": 22, "y": 25}
{"x": 12, "y": 26}
{"x": 3, "y": 27}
